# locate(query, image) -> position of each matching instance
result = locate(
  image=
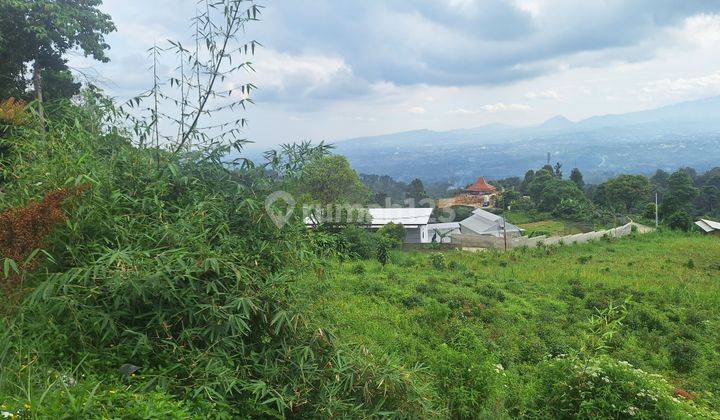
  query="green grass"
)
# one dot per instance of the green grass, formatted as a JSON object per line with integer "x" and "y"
{"x": 550, "y": 228}
{"x": 463, "y": 315}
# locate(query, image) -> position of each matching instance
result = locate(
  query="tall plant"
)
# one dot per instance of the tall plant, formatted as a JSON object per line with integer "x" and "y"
{"x": 203, "y": 85}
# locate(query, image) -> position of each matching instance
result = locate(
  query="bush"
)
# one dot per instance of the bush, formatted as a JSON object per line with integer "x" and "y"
{"x": 438, "y": 261}
{"x": 395, "y": 233}
{"x": 679, "y": 220}
{"x": 683, "y": 355}
{"x": 358, "y": 242}
{"x": 166, "y": 263}
{"x": 602, "y": 388}
{"x": 382, "y": 252}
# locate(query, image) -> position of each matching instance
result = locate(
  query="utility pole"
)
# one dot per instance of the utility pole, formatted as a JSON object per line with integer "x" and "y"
{"x": 505, "y": 233}
{"x": 656, "y": 211}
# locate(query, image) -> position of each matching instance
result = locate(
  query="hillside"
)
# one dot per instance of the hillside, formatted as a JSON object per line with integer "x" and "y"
{"x": 684, "y": 134}
{"x": 480, "y": 333}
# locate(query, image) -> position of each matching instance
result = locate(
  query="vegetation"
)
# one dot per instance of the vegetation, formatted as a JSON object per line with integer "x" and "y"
{"x": 611, "y": 329}
{"x": 146, "y": 276}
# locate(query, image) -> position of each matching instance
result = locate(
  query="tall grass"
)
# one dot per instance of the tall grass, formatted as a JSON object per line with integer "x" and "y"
{"x": 175, "y": 269}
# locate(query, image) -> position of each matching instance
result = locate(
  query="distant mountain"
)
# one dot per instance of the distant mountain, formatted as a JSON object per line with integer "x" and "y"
{"x": 557, "y": 122}
{"x": 683, "y": 134}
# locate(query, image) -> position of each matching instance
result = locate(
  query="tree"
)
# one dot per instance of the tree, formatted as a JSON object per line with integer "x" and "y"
{"x": 331, "y": 180}
{"x": 558, "y": 170}
{"x": 626, "y": 193}
{"x": 709, "y": 197}
{"x": 508, "y": 197}
{"x": 416, "y": 192}
{"x": 679, "y": 195}
{"x": 529, "y": 175}
{"x": 577, "y": 177}
{"x": 41, "y": 32}
{"x": 679, "y": 220}
{"x": 393, "y": 233}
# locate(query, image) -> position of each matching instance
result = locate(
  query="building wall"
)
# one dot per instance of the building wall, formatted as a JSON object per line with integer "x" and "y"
{"x": 418, "y": 235}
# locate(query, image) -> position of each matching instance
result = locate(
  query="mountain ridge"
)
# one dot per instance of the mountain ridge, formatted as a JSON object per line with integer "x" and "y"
{"x": 667, "y": 137}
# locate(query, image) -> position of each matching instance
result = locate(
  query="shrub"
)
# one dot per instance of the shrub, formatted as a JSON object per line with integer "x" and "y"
{"x": 683, "y": 355}
{"x": 358, "y": 242}
{"x": 395, "y": 233}
{"x": 358, "y": 269}
{"x": 23, "y": 229}
{"x": 382, "y": 252}
{"x": 679, "y": 220}
{"x": 602, "y": 388}
{"x": 438, "y": 261}
{"x": 13, "y": 112}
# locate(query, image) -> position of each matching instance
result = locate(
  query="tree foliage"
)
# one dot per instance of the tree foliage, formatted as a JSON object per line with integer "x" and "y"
{"x": 331, "y": 180}
{"x": 43, "y": 32}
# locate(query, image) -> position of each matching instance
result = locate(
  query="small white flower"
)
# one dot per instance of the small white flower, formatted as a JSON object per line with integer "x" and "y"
{"x": 6, "y": 414}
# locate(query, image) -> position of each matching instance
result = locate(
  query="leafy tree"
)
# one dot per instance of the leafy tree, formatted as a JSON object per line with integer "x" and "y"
{"x": 625, "y": 193}
{"x": 558, "y": 170}
{"x": 572, "y": 209}
{"x": 660, "y": 179}
{"x": 679, "y": 220}
{"x": 508, "y": 197}
{"x": 416, "y": 192}
{"x": 548, "y": 191}
{"x": 41, "y": 32}
{"x": 577, "y": 177}
{"x": 709, "y": 197}
{"x": 383, "y": 252}
{"x": 331, "y": 180}
{"x": 529, "y": 175}
{"x": 679, "y": 195}
{"x": 394, "y": 233}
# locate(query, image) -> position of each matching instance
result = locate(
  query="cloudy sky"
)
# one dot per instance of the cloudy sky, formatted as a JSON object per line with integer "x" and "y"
{"x": 334, "y": 69}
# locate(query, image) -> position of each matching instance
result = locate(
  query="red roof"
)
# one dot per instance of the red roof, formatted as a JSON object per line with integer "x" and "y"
{"x": 481, "y": 186}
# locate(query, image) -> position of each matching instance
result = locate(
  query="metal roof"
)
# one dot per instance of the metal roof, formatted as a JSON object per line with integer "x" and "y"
{"x": 486, "y": 215}
{"x": 405, "y": 216}
{"x": 707, "y": 225}
{"x": 486, "y": 223}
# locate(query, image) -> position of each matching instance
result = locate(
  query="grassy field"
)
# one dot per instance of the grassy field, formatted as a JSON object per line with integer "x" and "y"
{"x": 484, "y": 333}
{"x": 549, "y": 228}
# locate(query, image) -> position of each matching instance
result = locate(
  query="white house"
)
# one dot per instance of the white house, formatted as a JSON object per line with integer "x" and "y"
{"x": 415, "y": 221}
{"x": 485, "y": 223}
{"x": 442, "y": 232}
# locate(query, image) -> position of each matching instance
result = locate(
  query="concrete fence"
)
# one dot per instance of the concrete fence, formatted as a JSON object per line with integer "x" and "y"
{"x": 477, "y": 241}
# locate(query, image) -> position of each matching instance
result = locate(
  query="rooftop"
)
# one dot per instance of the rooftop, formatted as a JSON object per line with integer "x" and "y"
{"x": 707, "y": 225}
{"x": 481, "y": 186}
{"x": 404, "y": 216}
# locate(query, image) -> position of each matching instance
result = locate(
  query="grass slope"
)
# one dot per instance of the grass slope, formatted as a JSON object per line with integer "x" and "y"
{"x": 483, "y": 325}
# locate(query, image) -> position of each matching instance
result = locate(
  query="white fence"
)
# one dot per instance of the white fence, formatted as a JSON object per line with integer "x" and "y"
{"x": 478, "y": 241}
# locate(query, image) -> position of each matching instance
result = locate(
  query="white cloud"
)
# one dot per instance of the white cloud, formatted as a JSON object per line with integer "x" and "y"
{"x": 702, "y": 30}
{"x": 505, "y": 107}
{"x": 546, "y": 94}
{"x": 463, "y": 111}
{"x": 684, "y": 87}
{"x": 417, "y": 110}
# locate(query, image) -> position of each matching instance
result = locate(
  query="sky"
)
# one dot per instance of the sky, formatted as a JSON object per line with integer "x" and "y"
{"x": 336, "y": 69}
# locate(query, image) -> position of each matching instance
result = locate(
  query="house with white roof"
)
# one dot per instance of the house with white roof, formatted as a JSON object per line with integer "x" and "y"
{"x": 415, "y": 221}
{"x": 483, "y": 222}
{"x": 708, "y": 226}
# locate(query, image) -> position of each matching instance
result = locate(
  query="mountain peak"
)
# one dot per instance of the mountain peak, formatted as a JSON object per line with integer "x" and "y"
{"x": 557, "y": 122}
